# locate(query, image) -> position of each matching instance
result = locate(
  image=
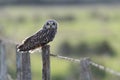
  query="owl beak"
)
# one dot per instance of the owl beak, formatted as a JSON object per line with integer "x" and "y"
{"x": 50, "y": 26}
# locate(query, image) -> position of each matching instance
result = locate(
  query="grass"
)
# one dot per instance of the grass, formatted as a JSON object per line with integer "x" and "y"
{"x": 83, "y": 28}
{"x": 56, "y": 68}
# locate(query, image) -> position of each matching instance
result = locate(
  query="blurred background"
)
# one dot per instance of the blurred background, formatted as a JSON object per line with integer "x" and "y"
{"x": 87, "y": 28}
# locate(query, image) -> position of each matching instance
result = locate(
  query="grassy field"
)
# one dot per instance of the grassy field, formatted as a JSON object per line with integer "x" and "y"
{"x": 77, "y": 24}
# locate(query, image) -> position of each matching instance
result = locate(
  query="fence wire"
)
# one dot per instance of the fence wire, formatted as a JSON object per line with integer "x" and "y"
{"x": 66, "y": 58}
{"x": 5, "y": 40}
{"x": 101, "y": 67}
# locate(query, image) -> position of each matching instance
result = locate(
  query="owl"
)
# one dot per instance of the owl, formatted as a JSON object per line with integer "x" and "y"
{"x": 45, "y": 35}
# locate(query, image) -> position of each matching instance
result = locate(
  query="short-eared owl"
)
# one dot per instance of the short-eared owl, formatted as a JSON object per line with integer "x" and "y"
{"x": 41, "y": 38}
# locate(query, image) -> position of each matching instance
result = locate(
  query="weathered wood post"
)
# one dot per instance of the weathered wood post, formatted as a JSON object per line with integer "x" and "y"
{"x": 3, "y": 66}
{"x": 85, "y": 72}
{"x": 23, "y": 65}
{"x": 46, "y": 62}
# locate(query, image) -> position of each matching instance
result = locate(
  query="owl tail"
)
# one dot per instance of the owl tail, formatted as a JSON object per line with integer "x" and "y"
{"x": 21, "y": 48}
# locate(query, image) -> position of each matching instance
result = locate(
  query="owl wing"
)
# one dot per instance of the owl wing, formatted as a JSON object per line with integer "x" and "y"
{"x": 35, "y": 41}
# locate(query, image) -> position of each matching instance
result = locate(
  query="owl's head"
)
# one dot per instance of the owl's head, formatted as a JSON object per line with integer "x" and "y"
{"x": 50, "y": 24}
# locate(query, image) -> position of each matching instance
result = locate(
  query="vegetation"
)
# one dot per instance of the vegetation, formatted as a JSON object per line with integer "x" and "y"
{"x": 83, "y": 31}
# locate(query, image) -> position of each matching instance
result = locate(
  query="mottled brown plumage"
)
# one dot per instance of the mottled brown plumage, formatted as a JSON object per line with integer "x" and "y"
{"x": 41, "y": 38}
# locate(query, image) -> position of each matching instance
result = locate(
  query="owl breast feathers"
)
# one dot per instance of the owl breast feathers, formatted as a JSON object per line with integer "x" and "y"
{"x": 41, "y": 38}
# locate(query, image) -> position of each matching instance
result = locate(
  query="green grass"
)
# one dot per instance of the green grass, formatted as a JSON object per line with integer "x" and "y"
{"x": 56, "y": 66}
{"x": 84, "y": 28}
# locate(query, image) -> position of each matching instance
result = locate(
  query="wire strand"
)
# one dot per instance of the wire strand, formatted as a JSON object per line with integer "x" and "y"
{"x": 101, "y": 67}
{"x": 5, "y": 40}
{"x": 66, "y": 58}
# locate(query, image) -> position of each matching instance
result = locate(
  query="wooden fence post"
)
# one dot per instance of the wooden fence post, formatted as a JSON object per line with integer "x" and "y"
{"x": 3, "y": 66}
{"x": 23, "y": 66}
{"x": 85, "y": 72}
{"x": 46, "y": 62}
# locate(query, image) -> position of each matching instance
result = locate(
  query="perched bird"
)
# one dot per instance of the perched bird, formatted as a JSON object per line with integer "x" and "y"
{"x": 40, "y": 38}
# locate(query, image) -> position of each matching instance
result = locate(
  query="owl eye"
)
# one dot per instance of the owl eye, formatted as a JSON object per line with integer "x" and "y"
{"x": 47, "y": 24}
{"x": 53, "y": 23}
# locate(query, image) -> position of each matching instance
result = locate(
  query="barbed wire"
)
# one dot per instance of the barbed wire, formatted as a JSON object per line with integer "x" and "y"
{"x": 5, "y": 40}
{"x": 106, "y": 69}
{"x": 66, "y": 58}
{"x": 101, "y": 67}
